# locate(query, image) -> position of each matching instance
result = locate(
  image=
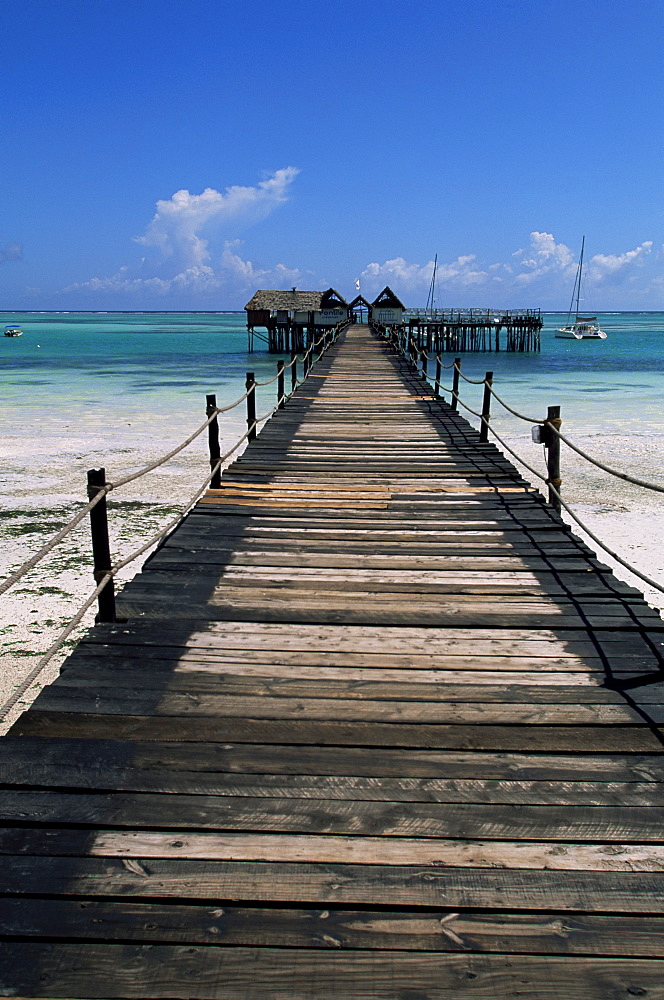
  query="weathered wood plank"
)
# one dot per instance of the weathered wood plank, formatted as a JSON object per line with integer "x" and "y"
{"x": 420, "y": 886}
{"x": 436, "y": 931}
{"x": 330, "y": 849}
{"x": 598, "y": 739}
{"x": 238, "y": 973}
{"x": 254, "y": 758}
{"x": 363, "y": 818}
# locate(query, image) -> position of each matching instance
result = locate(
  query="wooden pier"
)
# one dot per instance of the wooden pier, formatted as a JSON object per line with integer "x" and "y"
{"x": 377, "y": 725}
{"x": 477, "y": 330}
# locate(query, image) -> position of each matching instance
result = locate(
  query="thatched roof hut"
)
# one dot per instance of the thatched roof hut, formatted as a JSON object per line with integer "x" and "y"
{"x": 294, "y": 300}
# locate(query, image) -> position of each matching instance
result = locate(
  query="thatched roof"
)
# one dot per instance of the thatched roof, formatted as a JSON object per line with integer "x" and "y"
{"x": 293, "y": 299}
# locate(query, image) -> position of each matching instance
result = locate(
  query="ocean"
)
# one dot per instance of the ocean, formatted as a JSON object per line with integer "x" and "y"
{"x": 116, "y": 390}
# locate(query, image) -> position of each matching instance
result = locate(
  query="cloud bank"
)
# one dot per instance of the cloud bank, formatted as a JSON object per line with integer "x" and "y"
{"x": 194, "y": 259}
{"x": 545, "y": 269}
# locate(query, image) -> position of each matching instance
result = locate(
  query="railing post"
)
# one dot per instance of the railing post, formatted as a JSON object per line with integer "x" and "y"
{"x": 486, "y": 407}
{"x": 436, "y": 384}
{"x": 455, "y": 382}
{"x": 251, "y": 405}
{"x": 101, "y": 550}
{"x": 424, "y": 361}
{"x": 552, "y": 443}
{"x": 213, "y": 442}
{"x": 281, "y": 390}
{"x": 306, "y": 364}
{"x": 293, "y": 371}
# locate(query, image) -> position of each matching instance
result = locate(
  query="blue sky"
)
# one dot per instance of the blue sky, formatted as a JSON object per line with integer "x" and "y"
{"x": 180, "y": 154}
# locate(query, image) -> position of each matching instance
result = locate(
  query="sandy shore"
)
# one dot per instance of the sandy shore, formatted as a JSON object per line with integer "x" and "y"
{"x": 37, "y": 504}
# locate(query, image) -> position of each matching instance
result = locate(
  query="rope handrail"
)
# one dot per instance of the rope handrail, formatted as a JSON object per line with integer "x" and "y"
{"x": 582, "y": 525}
{"x": 26, "y": 566}
{"x": 472, "y": 381}
{"x": 431, "y": 357}
{"x": 611, "y": 552}
{"x": 62, "y": 636}
{"x": 605, "y": 468}
{"x": 542, "y": 421}
{"x": 530, "y": 420}
{"x": 48, "y": 546}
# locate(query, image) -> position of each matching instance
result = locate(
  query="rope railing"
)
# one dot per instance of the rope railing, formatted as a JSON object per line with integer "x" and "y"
{"x": 542, "y": 421}
{"x": 104, "y": 577}
{"x": 549, "y": 435}
{"x": 116, "y": 484}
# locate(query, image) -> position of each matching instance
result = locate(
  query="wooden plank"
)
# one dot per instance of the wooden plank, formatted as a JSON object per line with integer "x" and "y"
{"x": 424, "y": 930}
{"x": 256, "y": 758}
{"x": 329, "y": 849}
{"x": 597, "y": 739}
{"x": 362, "y": 818}
{"x": 346, "y": 885}
{"x": 202, "y": 704}
{"x": 270, "y": 973}
{"x": 102, "y": 775}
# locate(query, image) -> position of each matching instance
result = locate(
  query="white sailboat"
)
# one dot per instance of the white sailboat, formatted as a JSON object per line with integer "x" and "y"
{"x": 583, "y": 327}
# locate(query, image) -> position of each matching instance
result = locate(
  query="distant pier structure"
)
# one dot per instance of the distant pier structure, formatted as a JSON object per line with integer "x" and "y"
{"x": 459, "y": 330}
{"x": 286, "y": 321}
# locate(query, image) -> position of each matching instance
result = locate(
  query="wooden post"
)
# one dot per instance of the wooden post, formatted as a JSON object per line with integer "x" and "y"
{"x": 455, "y": 382}
{"x": 552, "y": 442}
{"x": 424, "y": 362}
{"x": 251, "y": 405}
{"x": 213, "y": 442}
{"x": 436, "y": 385}
{"x": 101, "y": 550}
{"x": 293, "y": 371}
{"x": 281, "y": 390}
{"x": 306, "y": 363}
{"x": 486, "y": 407}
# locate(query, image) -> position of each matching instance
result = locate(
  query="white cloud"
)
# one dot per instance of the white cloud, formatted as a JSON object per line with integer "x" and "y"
{"x": 415, "y": 279}
{"x": 546, "y": 258}
{"x": 176, "y": 225}
{"x": 612, "y": 268}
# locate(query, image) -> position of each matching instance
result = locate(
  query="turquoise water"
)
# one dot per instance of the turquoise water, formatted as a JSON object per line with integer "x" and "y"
{"x": 166, "y": 359}
{"x": 143, "y": 361}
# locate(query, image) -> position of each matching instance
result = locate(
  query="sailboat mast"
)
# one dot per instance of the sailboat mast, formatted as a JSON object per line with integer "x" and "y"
{"x": 578, "y": 277}
{"x": 432, "y": 287}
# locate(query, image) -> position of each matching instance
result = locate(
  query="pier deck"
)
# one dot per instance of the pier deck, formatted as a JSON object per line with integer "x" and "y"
{"x": 377, "y": 726}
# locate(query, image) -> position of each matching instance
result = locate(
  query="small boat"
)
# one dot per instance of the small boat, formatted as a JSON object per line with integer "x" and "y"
{"x": 583, "y": 327}
{"x": 13, "y": 331}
